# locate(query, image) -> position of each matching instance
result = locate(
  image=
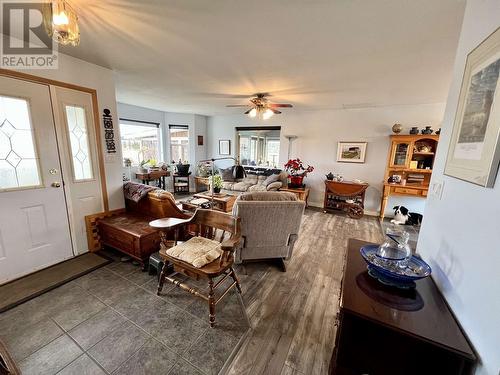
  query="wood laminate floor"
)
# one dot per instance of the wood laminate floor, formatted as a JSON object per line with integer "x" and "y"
{"x": 293, "y": 313}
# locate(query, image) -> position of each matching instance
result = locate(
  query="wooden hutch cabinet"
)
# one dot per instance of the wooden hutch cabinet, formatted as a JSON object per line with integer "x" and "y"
{"x": 411, "y": 158}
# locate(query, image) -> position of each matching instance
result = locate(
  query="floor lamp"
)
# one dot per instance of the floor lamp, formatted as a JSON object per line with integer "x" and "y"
{"x": 238, "y": 172}
{"x": 290, "y": 138}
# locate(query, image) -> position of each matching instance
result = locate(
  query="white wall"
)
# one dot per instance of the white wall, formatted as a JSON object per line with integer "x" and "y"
{"x": 79, "y": 72}
{"x": 460, "y": 236}
{"x": 318, "y": 133}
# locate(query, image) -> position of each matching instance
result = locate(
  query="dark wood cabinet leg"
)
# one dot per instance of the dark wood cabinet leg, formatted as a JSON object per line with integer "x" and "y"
{"x": 211, "y": 303}
{"x": 161, "y": 281}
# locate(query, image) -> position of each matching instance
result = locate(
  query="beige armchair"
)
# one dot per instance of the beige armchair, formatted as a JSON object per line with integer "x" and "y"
{"x": 270, "y": 223}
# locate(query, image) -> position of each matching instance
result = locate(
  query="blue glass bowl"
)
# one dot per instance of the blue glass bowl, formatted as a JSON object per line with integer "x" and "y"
{"x": 415, "y": 270}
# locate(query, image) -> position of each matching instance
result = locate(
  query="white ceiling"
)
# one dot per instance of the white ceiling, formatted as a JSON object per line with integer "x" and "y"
{"x": 192, "y": 55}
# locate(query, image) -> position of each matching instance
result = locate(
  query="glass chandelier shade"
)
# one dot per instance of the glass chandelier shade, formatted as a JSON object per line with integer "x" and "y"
{"x": 262, "y": 112}
{"x": 61, "y": 22}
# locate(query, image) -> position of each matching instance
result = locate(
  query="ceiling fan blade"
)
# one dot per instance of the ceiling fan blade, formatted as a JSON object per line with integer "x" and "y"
{"x": 237, "y": 105}
{"x": 280, "y": 105}
{"x": 275, "y": 111}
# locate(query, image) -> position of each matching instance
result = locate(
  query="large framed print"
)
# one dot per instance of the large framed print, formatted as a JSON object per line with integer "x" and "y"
{"x": 351, "y": 152}
{"x": 474, "y": 151}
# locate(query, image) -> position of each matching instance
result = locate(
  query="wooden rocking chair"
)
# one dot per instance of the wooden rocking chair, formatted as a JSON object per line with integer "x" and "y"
{"x": 213, "y": 225}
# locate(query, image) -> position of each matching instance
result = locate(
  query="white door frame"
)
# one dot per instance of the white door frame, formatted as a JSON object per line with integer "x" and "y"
{"x": 97, "y": 119}
{"x": 97, "y": 125}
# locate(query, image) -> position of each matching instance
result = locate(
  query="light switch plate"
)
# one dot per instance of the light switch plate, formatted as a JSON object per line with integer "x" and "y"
{"x": 437, "y": 189}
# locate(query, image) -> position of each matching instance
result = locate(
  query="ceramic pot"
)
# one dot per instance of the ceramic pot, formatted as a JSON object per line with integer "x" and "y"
{"x": 329, "y": 176}
{"x": 427, "y": 130}
{"x": 397, "y": 128}
{"x": 182, "y": 169}
{"x": 438, "y": 131}
{"x": 414, "y": 130}
{"x": 296, "y": 181}
{"x": 216, "y": 190}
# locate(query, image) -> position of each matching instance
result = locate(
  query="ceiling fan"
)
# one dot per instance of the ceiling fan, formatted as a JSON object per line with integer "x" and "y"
{"x": 260, "y": 105}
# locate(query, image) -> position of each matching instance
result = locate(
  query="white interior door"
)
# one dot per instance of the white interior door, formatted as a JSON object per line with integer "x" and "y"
{"x": 78, "y": 148}
{"x": 34, "y": 229}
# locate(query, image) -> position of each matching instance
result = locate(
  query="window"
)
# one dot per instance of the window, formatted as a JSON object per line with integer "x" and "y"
{"x": 259, "y": 146}
{"x": 179, "y": 143}
{"x": 140, "y": 141}
{"x": 18, "y": 159}
{"x": 79, "y": 143}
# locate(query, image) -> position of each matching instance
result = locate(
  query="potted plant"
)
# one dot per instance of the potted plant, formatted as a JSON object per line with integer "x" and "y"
{"x": 216, "y": 182}
{"x": 182, "y": 168}
{"x": 142, "y": 166}
{"x": 297, "y": 172}
{"x": 153, "y": 165}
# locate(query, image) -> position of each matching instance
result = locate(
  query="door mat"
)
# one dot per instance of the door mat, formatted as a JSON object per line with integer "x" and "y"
{"x": 21, "y": 290}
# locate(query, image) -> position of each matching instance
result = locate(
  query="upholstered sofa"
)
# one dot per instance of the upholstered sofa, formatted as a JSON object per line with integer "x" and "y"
{"x": 256, "y": 180}
{"x": 270, "y": 223}
{"x": 127, "y": 230}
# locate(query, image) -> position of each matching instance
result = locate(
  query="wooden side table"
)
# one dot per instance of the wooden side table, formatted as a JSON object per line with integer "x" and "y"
{"x": 201, "y": 183}
{"x": 154, "y": 176}
{"x": 390, "y": 331}
{"x": 301, "y": 193}
{"x": 345, "y": 196}
{"x": 181, "y": 183}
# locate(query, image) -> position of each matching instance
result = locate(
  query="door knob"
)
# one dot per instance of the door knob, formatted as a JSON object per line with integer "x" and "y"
{"x": 56, "y": 184}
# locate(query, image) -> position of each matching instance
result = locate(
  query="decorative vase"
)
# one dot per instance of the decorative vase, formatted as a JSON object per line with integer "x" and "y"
{"x": 414, "y": 130}
{"x": 216, "y": 190}
{"x": 183, "y": 169}
{"x": 296, "y": 181}
{"x": 438, "y": 131}
{"x": 330, "y": 176}
{"x": 427, "y": 130}
{"x": 397, "y": 128}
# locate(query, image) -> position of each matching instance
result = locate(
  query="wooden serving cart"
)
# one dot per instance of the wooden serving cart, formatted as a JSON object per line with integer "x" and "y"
{"x": 345, "y": 196}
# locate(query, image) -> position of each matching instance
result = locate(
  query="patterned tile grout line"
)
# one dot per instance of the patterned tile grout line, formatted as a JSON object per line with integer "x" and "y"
{"x": 81, "y": 348}
{"x": 143, "y": 330}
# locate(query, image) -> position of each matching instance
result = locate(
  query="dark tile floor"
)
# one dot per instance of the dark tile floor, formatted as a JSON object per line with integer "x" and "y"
{"x": 110, "y": 321}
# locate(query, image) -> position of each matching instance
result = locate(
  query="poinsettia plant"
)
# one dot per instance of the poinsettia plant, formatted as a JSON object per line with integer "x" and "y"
{"x": 295, "y": 167}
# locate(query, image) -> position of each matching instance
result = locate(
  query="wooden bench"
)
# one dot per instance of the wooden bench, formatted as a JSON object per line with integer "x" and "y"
{"x": 127, "y": 230}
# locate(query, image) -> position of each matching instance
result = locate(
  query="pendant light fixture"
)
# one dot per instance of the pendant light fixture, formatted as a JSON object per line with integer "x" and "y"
{"x": 61, "y": 22}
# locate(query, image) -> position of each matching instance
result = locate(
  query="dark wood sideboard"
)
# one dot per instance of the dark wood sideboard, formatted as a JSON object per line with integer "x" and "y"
{"x": 387, "y": 331}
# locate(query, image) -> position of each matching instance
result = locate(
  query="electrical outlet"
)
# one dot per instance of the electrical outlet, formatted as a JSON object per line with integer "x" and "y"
{"x": 437, "y": 189}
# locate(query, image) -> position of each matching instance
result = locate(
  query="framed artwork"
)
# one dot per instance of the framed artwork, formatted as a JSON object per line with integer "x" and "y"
{"x": 224, "y": 147}
{"x": 351, "y": 152}
{"x": 200, "y": 140}
{"x": 474, "y": 151}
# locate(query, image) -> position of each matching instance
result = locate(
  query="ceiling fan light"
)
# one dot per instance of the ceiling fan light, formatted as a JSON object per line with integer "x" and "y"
{"x": 252, "y": 113}
{"x": 267, "y": 114}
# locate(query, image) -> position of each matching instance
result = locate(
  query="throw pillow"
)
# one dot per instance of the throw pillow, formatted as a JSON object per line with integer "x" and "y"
{"x": 270, "y": 179}
{"x": 274, "y": 185}
{"x": 227, "y": 174}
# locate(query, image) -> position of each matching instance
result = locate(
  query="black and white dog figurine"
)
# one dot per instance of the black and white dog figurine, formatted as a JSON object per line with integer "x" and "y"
{"x": 403, "y": 217}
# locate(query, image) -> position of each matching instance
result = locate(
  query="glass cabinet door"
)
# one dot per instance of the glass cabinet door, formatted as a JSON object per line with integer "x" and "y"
{"x": 400, "y": 155}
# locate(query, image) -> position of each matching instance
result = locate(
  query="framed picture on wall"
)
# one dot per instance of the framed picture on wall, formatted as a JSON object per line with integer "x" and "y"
{"x": 224, "y": 147}
{"x": 474, "y": 151}
{"x": 351, "y": 152}
{"x": 200, "y": 140}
